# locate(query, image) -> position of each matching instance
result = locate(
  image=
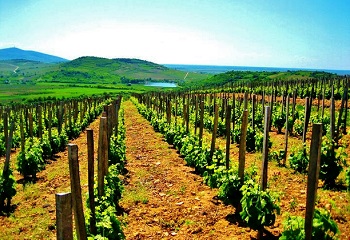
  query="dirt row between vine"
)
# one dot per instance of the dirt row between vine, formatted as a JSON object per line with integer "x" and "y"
{"x": 166, "y": 199}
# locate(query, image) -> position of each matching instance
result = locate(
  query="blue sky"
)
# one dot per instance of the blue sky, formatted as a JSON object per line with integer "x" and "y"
{"x": 298, "y": 33}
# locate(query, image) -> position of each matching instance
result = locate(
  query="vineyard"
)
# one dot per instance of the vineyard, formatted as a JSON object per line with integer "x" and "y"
{"x": 247, "y": 159}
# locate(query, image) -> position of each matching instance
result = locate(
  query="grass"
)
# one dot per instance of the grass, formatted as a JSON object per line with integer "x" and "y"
{"x": 27, "y": 92}
{"x": 182, "y": 189}
{"x": 138, "y": 194}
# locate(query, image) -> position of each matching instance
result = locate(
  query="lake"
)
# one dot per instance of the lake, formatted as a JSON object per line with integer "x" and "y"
{"x": 161, "y": 84}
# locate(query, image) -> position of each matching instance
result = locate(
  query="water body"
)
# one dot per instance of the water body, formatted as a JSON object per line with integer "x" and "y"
{"x": 221, "y": 69}
{"x": 161, "y": 84}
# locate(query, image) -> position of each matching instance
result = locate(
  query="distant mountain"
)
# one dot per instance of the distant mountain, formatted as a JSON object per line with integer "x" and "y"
{"x": 16, "y": 53}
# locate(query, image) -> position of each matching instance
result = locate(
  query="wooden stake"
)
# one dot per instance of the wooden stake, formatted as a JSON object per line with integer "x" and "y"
{"x": 253, "y": 109}
{"x": 91, "y": 172}
{"x": 76, "y": 191}
{"x": 40, "y": 122}
{"x": 286, "y": 133}
{"x": 8, "y": 149}
{"x": 102, "y": 155}
{"x": 346, "y": 104}
{"x": 201, "y": 124}
{"x": 265, "y": 149}
{"x": 64, "y": 217}
{"x": 228, "y": 135}
{"x": 312, "y": 180}
{"x": 332, "y": 113}
{"x": 196, "y": 116}
{"x": 242, "y": 146}
{"x": 213, "y": 136}
{"x": 306, "y": 119}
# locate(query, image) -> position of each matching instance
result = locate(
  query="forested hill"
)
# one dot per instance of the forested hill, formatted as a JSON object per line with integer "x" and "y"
{"x": 251, "y": 76}
{"x": 118, "y": 70}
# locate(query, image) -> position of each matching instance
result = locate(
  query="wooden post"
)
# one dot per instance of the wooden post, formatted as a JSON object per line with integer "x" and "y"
{"x": 201, "y": 124}
{"x": 263, "y": 102}
{"x": 265, "y": 149}
{"x": 233, "y": 111}
{"x": 340, "y": 116}
{"x": 242, "y": 146}
{"x": 188, "y": 115}
{"x": 228, "y": 135}
{"x": 306, "y": 120}
{"x": 21, "y": 127}
{"x": 40, "y": 122}
{"x": 223, "y": 106}
{"x": 196, "y": 116}
{"x": 213, "y": 136}
{"x": 76, "y": 191}
{"x": 8, "y": 148}
{"x": 271, "y": 108}
{"x": 64, "y": 218}
{"x": 102, "y": 155}
{"x": 6, "y": 129}
{"x": 245, "y": 100}
{"x": 184, "y": 114}
{"x": 346, "y": 104}
{"x": 117, "y": 107}
{"x": 332, "y": 115}
{"x": 91, "y": 171}
{"x": 293, "y": 103}
{"x": 168, "y": 110}
{"x": 312, "y": 180}
{"x": 50, "y": 124}
{"x": 175, "y": 110}
{"x": 323, "y": 97}
{"x": 30, "y": 118}
{"x": 184, "y": 108}
{"x": 286, "y": 133}
{"x": 253, "y": 109}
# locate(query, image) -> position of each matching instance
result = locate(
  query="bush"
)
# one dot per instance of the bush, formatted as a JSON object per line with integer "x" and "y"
{"x": 298, "y": 127}
{"x": 107, "y": 224}
{"x": 113, "y": 185}
{"x": 30, "y": 161}
{"x": 46, "y": 147}
{"x": 7, "y": 188}
{"x": 333, "y": 160}
{"x": 323, "y": 227}
{"x": 259, "y": 208}
{"x": 63, "y": 140}
{"x": 278, "y": 120}
{"x": 229, "y": 191}
{"x": 55, "y": 142}
{"x": 117, "y": 151}
{"x": 299, "y": 160}
{"x": 347, "y": 178}
{"x": 278, "y": 156}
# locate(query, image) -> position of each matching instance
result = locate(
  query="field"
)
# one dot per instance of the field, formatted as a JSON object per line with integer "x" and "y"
{"x": 41, "y": 91}
{"x": 169, "y": 177}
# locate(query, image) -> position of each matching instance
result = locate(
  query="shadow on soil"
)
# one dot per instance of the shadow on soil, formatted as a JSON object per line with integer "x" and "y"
{"x": 8, "y": 210}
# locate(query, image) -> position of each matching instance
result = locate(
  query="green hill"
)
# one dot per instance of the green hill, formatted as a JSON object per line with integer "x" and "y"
{"x": 250, "y": 76}
{"x": 94, "y": 70}
{"x": 19, "y": 71}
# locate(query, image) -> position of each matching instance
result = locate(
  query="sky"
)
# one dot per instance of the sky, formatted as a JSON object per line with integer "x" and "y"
{"x": 266, "y": 33}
